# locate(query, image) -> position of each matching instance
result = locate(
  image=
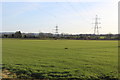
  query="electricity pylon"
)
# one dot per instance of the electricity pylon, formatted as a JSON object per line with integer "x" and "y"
{"x": 96, "y": 28}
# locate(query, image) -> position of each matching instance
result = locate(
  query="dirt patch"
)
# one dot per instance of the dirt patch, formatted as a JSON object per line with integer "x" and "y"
{"x": 7, "y": 74}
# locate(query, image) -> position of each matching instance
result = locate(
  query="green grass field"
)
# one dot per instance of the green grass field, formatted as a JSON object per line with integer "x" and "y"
{"x": 83, "y": 59}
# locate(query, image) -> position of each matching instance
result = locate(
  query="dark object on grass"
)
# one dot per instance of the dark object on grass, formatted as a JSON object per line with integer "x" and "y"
{"x": 66, "y": 48}
{"x": 18, "y": 64}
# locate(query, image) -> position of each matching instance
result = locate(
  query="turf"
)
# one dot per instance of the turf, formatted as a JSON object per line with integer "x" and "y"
{"x": 83, "y": 59}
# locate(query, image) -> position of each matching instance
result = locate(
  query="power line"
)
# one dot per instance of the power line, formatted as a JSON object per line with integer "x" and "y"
{"x": 65, "y": 22}
{"x": 76, "y": 10}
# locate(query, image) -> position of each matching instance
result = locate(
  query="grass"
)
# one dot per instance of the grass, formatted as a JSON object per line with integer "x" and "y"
{"x": 83, "y": 59}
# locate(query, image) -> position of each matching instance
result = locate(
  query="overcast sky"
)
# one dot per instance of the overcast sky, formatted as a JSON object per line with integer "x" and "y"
{"x": 71, "y": 16}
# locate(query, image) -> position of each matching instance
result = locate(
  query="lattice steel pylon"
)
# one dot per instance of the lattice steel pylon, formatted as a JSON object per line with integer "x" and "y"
{"x": 96, "y": 28}
{"x": 56, "y": 29}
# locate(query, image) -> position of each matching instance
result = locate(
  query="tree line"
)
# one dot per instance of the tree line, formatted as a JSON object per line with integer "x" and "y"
{"x": 41, "y": 35}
